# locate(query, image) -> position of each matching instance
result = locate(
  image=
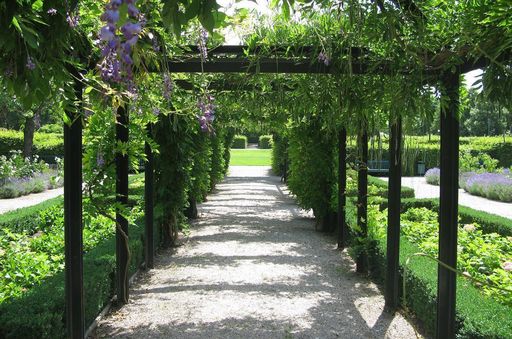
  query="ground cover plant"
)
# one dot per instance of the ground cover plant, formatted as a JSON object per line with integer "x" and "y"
{"x": 20, "y": 176}
{"x": 250, "y": 157}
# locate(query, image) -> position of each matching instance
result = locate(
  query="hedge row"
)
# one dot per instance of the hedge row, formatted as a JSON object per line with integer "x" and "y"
{"x": 40, "y": 312}
{"x": 489, "y": 223}
{"x": 477, "y": 316}
{"x": 46, "y": 145}
{"x": 265, "y": 141}
{"x": 28, "y": 219}
{"x": 239, "y": 142}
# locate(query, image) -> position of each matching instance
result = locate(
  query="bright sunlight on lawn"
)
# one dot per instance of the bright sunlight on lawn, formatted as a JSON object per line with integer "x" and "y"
{"x": 250, "y": 157}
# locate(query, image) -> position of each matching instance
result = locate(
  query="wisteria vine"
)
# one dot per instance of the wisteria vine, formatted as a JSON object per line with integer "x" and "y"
{"x": 118, "y": 41}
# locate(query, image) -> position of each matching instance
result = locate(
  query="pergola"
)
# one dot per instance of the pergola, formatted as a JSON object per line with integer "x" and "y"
{"x": 242, "y": 59}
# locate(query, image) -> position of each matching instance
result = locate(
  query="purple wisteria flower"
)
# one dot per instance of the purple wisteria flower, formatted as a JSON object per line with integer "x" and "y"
{"x": 118, "y": 42}
{"x": 203, "y": 50}
{"x": 30, "y": 63}
{"x": 207, "y": 112}
{"x": 322, "y": 57}
{"x": 168, "y": 86}
{"x": 156, "y": 111}
{"x": 72, "y": 19}
{"x": 100, "y": 161}
{"x": 52, "y": 11}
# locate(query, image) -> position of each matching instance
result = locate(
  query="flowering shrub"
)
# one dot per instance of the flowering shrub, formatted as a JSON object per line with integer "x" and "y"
{"x": 433, "y": 175}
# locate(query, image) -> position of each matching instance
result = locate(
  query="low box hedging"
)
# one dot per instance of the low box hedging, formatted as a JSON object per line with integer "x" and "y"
{"x": 239, "y": 141}
{"x": 46, "y": 145}
{"x": 478, "y": 316}
{"x": 27, "y": 219}
{"x": 489, "y": 223}
{"x": 40, "y": 312}
{"x": 265, "y": 141}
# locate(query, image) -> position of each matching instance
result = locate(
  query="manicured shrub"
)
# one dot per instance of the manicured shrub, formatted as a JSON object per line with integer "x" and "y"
{"x": 279, "y": 154}
{"x": 265, "y": 141}
{"x": 46, "y": 145}
{"x": 433, "y": 176}
{"x": 311, "y": 176}
{"x": 239, "y": 141}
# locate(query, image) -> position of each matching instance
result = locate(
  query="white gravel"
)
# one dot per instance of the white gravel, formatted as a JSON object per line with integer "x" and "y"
{"x": 253, "y": 267}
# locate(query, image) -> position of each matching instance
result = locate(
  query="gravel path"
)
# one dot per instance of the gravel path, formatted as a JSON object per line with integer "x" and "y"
{"x": 253, "y": 267}
{"x": 424, "y": 190}
{"x": 7, "y": 205}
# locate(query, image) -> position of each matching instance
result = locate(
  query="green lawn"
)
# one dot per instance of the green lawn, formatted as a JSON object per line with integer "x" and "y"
{"x": 250, "y": 157}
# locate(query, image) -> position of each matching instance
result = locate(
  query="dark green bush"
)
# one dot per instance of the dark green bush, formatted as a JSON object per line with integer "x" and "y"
{"x": 265, "y": 141}
{"x": 218, "y": 169}
{"x": 239, "y": 142}
{"x": 311, "y": 176}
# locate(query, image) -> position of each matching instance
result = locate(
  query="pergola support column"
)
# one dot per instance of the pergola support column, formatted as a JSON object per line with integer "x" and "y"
{"x": 342, "y": 186}
{"x": 393, "y": 231}
{"x": 122, "y": 245}
{"x": 148, "y": 206}
{"x": 362, "y": 198}
{"x": 73, "y": 241}
{"x": 448, "y": 211}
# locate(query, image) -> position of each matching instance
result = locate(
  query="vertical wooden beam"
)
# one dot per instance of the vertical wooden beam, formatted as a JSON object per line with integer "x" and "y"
{"x": 362, "y": 199}
{"x": 122, "y": 198}
{"x": 342, "y": 186}
{"x": 393, "y": 231}
{"x": 73, "y": 242}
{"x": 148, "y": 206}
{"x": 448, "y": 201}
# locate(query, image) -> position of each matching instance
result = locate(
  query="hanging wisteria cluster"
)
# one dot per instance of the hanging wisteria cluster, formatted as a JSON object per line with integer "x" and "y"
{"x": 203, "y": 49}
{"x": 207, "y": 109}
{"x": 116, "y": 64}
{"x": 323, "y": 57}
{"x": 168, "y": 86}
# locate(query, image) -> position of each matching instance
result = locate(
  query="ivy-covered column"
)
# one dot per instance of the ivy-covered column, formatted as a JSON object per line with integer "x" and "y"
{"x": 342, "y": 186}
{"x": 122, "y": 245}
{"x": 393, "y": 231}
{"x": 362, "y": 199}
{"x": 448, "y": 202}
{"x": 73, "y": 236}
{"x": 149, "y": 248}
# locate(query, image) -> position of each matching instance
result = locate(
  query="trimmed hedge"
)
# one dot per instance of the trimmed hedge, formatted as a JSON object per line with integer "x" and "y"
{"x": 40, "y": 313}
{"x": 477, "y": 316}
{"x": 46, "y": 145}
{"x": 490, "y": 223}
{"x": 27, "y": 219}
{"x": 239, "y": 141}
{"x": 265, "y": 142}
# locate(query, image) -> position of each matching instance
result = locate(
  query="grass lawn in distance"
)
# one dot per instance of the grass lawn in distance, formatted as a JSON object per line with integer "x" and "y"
{"x": 250, "y": 157}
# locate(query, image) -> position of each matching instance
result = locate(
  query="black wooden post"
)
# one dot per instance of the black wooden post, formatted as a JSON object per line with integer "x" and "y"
{"x": 448, "y": 201}
{"x": 122, "y": 198}
{"x": 362, "y": 199}
{"x": 393, "y": 231}
{"x": 342, "y": 186}
{"x": 148, "y": 206}
{"x": 73, "y": 242}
